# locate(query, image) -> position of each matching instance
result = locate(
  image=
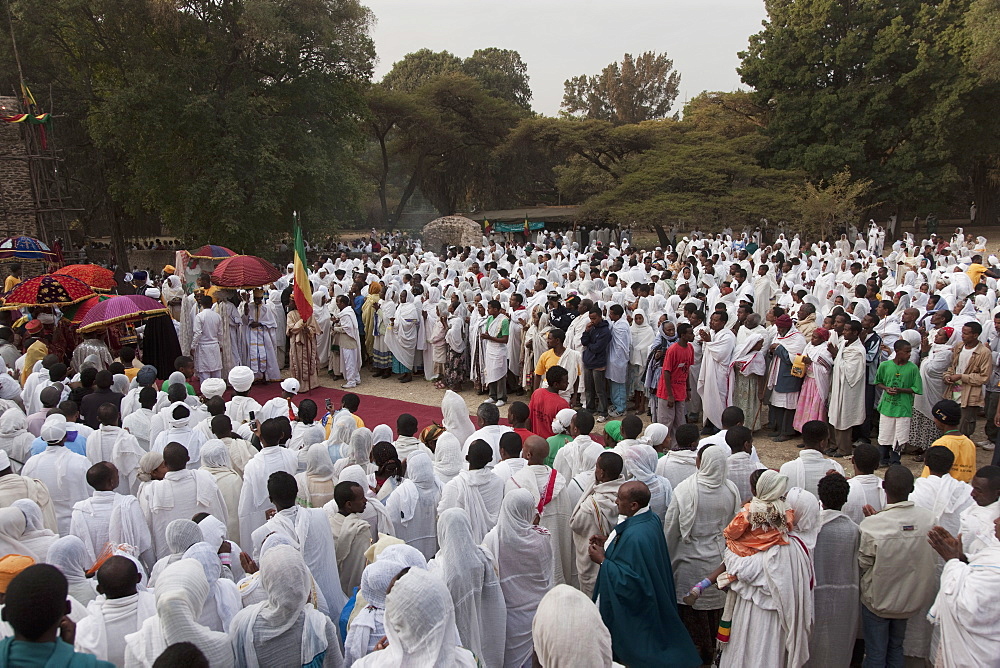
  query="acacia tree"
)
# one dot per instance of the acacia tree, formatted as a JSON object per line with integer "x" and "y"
{"x": 827, "y": 205}
{"x": 635, "y": 90}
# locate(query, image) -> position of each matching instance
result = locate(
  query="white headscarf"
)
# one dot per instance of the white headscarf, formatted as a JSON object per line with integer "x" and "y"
{"x": 447, "y": 457}
{"x": 455, "y": 416}
{"x": 223, "y": 592}
{"x": 12, "y": 525}
{"x": 420, "y": 626}
{"x": 69, "y": 555}
{"x": 382, "y": 434}
{"x": 568, "y": 631}
{"x": 711, "y": 474}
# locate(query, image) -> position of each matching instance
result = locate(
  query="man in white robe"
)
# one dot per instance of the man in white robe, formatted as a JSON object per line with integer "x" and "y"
{"x": 260, "y": 331}
{"x": 619, "y": 353}
{"x": 347, "y": 337}
{"x": 180, "y": 431}
{"x": 63, "y": 472}
{"x": 477, "y": 491}
{"x": 108, "y": 517}
{"x": 254, "y": 499}
{"x": 496, "y": 334}
{"x": 596, "y": 514}
{"x": 309, "y": 531}
{"x": 490, "y": 430}
{"x": 351, "y": 532}
{"x": 713, "y": 379}
{"x": 182, "y": 494}
{"x": 764, "y": 289}
{"x": 847, "y": 387}
{"x": 978, "y": 519}
{"x": 554, "y": 505}
{"x": 230, "y": 336}
{"x": 321, "y": 313}
{"x": 206, "y": 344}
{"x": 405, "y": 335}
{"x": 111, "y": 443}
{"x": 120, "y": 611}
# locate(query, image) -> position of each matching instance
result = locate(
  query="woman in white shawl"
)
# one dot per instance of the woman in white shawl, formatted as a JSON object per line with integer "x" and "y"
{"x": 215, "y": 460}
{"x": 816, "y": 386}
{"x": 69, "y": 555}
{"x": 568, "y": 631}
{"x": 285, "y": 625}
{"x": 316, "y": 483}
{"x": 359, "y": 452}
{"x": 455, "y": 417}
{"x": 772, "y": 594}
{"x": 522, "y": 556}
{"x": 448, "y": 460}
{"x": 223, "y": 601}
{"x": 703, "y": 506}
{"x": 467, "y": 570}
{"x": 413, "y": 506}
{"x": 180, "y": 595}
{"x": 923, "y": 431}
{"x": 643, "y": 336}
{"x": 12, "y": 527}
{"x": 172, "y": 294}
{"x": 180, "y": 534}
{"x": 36, "y": 537}
{"x": 15, "y": 439}
{"x": 640, "y": 463}
{"x": 338, "y": 445}
{"x": 456, "y": 363}
{"x": 404, "y": 337}
{"x": 368, "y": 626}
{"x": 419, "y": 626}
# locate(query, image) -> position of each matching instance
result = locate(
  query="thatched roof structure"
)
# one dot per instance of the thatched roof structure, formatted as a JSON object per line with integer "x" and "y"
{"x": 451, "y": 231}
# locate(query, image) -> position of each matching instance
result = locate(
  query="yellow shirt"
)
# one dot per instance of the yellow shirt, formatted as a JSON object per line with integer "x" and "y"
{"x": 975, "y": 272}
{"x": 548, "y": 360}
{"x": 131, "y": 373}
{"x": 9, "y": 284}
{"x": 964, "y": 449}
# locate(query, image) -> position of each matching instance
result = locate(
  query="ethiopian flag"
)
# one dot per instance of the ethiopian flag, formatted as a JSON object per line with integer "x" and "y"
{"x": 302, "y": 290}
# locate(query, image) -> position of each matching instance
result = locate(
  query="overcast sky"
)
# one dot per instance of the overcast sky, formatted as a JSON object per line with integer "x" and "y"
{"x": 563, "y": 38}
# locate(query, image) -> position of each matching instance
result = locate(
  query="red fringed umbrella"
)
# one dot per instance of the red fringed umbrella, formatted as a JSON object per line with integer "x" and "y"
{"x": 99, "y": 278}
{"x": 48, "y": 290}
{"x": 120, "y": 309}
{"x": 210, "y": 252}
{"x": 245, "y": 271}
{"x": 77, "y": 312}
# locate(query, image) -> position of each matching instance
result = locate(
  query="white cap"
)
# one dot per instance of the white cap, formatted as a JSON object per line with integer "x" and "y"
{"x": 153, "y": 293}
{"x": 241, "y": 378}
{"x": 290, "y": 385}
{"x": 54, "y": 428}
{"x": 213, "y": 387}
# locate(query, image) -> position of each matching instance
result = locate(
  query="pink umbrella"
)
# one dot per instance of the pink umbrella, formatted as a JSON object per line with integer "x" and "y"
{"x": 120, "y": 309}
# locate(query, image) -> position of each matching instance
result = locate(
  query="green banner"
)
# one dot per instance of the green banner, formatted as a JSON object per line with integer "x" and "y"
{"x": 518, "y": 227}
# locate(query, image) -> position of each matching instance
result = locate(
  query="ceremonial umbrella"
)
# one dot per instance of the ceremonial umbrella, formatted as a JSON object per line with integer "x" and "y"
{"x": 25, "y": 248}
{"x": 99, "y": 278}
{"x": 120, "y": 309}
{"x": 77, "y": 312}
{"x": 210, "y": 252}
{"x": 48, "y": 290}
{"x": 245, "y": 271}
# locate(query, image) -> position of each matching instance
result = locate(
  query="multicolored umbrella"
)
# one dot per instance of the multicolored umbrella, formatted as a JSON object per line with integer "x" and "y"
{"x": 48, "y": 290}
{"x": 210, "y": 252}
{"x": 123, "y": 308}
{"x": 99, "y": 278}
{"x": 77, "y": 312}
{"x": 245, "y": 271}
{"x": 25, "y": 248}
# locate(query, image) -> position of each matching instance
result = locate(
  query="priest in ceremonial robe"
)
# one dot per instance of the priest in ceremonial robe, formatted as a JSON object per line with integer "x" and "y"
{"x": 635, "y": 588}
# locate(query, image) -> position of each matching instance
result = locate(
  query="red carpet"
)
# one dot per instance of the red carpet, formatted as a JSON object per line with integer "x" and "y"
{"x": 374, "y": 410}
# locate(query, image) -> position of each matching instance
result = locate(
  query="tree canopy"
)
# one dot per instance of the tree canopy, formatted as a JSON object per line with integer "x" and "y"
{"x": 635, "y": 90}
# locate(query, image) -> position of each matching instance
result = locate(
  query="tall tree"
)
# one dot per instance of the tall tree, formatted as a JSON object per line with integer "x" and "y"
{"x": 221, "y": 118}
{"x": 501, "y": 73}
{"x": 883, "y": 89}
{"x": 419, "y": 68}
{"x": 635, "y": 90}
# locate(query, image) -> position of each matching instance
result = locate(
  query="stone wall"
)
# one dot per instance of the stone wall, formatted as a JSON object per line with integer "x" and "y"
{"x": 17, "y": 203}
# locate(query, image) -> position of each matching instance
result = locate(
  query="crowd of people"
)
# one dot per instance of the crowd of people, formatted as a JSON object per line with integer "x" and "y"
{"x": 153, "y": 511}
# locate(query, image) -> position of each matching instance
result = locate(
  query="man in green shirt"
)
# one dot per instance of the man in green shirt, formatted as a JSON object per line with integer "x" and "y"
{"x": 899, "y": 380}
{"x": 496, "y": 334}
